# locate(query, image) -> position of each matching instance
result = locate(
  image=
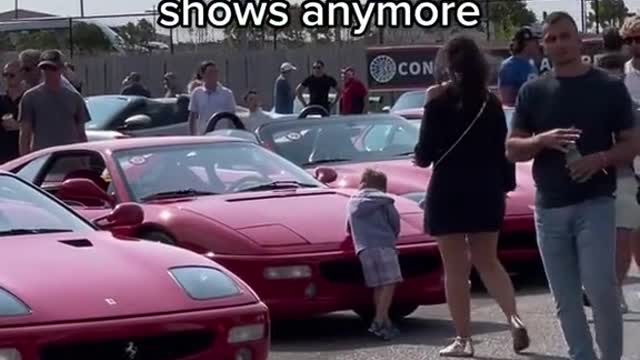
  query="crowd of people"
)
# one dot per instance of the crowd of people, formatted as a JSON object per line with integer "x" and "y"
{"x": 583, "y": 144}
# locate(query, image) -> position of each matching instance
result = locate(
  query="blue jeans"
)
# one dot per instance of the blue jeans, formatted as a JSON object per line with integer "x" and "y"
{"x": 577, "y": 244}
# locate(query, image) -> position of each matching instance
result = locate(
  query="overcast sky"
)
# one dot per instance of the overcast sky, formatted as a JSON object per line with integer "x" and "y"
{"x": 101, "y": 7}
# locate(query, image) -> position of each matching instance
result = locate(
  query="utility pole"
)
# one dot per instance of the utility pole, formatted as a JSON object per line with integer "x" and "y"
{"x": 597, "y": 15}
{"x": 583, "y": 16}
{"x": 81, "y": 8}
{"x": 488, "y": 21}
{"x": 16, "y": 15}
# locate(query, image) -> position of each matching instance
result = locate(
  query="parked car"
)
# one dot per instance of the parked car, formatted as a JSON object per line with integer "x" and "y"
{"x": 344, "y": 146}
{"x": 121, "y": 116}
{"x": 69, "y": 291}
{"x": 233, "y": 201}
{"x": 409, "y": 105}
{"x": 375, "y": 103}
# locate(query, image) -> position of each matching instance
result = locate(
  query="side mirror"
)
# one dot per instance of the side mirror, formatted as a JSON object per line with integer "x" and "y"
{"x": 137, "y": 122}
{"x": 386, "y": 109}
{"x": 124, "y": 215}
{"x": 326, "y": 175}
{"x": 85, "y": 192}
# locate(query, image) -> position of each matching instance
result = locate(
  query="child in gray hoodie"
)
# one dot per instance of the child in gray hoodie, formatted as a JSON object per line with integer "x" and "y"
{"x": 374, "y": 224}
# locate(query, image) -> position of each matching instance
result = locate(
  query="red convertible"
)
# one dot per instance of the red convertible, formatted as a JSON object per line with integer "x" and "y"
{"x": 71, "y": 292}
{"x": 262, "y": 217}
{"x": 340, "y": 147}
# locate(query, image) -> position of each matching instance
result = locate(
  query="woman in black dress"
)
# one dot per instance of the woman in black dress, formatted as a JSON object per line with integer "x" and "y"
{"x": 463, "y": 136}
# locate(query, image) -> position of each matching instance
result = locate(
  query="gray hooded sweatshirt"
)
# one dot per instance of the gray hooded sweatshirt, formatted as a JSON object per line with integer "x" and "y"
{"x": 373, "y": 220}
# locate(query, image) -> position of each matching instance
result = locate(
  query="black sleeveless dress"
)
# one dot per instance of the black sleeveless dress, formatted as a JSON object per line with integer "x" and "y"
{"x": 466, "y": 193}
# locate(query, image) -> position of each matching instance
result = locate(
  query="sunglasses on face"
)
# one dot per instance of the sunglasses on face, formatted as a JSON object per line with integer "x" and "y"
{"x": 26, "y": 69}
{"x": 48, "y": 68}
{"x": 8, "y": 75}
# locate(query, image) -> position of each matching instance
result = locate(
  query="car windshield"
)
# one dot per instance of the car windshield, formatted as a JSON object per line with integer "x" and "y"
{"x": 26, "y": 211}
{"x": 341, "y": 139}
{"x": 207, "y": 169}
{"x": 103, "y": 109}
{"x": 410, "y": 100}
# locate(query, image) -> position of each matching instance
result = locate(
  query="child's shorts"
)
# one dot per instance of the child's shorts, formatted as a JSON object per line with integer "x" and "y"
{"x": 380, "y": 266}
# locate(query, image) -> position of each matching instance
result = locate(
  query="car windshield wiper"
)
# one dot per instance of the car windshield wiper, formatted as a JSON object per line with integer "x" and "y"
{"x": 404, "y": 154}
{"x": 177, "y": 194}
{"x": 324, "y": 161}
{"x": 34, "y": 231}
{"x": 278, "y": 185}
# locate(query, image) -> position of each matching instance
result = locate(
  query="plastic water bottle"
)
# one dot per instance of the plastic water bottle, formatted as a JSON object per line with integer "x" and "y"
{"x": 573, "y": 153}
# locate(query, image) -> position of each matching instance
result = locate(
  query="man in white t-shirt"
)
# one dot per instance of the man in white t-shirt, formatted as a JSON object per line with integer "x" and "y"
{"x": 257, "y": 116}
{"x": 209, "y": 99}
{"x": 630, "y": 32}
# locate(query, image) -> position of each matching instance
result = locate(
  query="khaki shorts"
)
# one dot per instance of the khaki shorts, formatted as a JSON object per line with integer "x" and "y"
{"x": 627, "y": 207}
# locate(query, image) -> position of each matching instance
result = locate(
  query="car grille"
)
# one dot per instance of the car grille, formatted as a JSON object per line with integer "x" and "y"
{"x": 517, "y": 240}
{"x": 164, "y": 347}
{"x": 350, "y": 271}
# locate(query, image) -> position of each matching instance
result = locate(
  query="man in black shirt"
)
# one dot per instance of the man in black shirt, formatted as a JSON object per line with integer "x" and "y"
{"x": 319, "y": 84}
{"x": 9, "y": 101}
{"x": 566, "y": 126}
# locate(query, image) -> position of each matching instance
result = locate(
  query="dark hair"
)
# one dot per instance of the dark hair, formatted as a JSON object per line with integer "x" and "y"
{"x": 557, "y": 16}
{"x": 319, "y": 62}
{"x": 463, "y": 56}
{"x": 204, "y": 65}
{"x": 249, "y": 93}
{"x": 612, "y": 62}
{"x": 374, "y": 179}
{"x": 611, "y": 40}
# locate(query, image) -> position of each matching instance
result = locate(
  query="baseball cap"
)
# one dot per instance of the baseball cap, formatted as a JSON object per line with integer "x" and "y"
{"x": 287, "y": 66}
{"x": 347, "y": 69}
{"x": 525, "y": 34}
{"x": 51, "y": 58}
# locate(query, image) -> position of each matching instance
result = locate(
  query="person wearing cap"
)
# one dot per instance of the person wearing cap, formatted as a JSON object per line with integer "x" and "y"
{"x": 135, "y": 86}
{"x": 31, "y": 75}
{"x": 170, "y": 85}
{"x": 283, "y": 91}
{"x": 51, "y": 114}
{"x": 519, "y": 67}
{"x": 319, "y": 84}
{"x": 354, "y": 93}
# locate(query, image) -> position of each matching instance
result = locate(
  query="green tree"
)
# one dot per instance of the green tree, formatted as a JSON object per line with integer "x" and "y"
{"x": 137, "y": 35}
{"x": 38, "y": 40}
{"x": 610, "y": 13}
{"x": 508, "y": 16}
{"x": 89, "y": 38}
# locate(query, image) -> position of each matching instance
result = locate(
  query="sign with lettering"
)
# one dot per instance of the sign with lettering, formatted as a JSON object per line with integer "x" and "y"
{"x": 403, "y": 68}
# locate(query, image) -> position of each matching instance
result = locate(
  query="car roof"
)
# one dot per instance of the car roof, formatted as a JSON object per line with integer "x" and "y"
{"x": 134, "y": 97}
{"x": 359, "y": 117}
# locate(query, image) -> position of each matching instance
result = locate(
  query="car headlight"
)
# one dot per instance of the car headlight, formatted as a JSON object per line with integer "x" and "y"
{"x": 10, "y": 305}
{"x": 204, "y": 283}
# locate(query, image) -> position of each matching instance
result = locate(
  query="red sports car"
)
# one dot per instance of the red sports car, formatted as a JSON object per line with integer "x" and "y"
{"x": 339, "y": 148}
{"x": 266, "y": 219}
{"x": 71, "y": 292}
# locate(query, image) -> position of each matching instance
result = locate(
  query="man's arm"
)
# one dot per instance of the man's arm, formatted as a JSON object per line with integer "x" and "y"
{"x": 522, "y": 146}
{"x": 338, "y": 89}
{"x": 299, "y": 94}
{"x": 507, "y": 85}
{"x": 25, "y": 119}
{"x": 81, "y": 118}
{"x": 193, "y": 123}
{"x": 626, "y": 148}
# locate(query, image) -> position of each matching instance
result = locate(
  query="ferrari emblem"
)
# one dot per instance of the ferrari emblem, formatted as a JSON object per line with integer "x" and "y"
{"x": 131, "y": 350}
{"x": 111, "y": 301}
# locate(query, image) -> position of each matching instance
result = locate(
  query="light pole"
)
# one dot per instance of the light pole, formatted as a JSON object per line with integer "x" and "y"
{"x": 16, "y": 15}
{"x": 81, "y": 8}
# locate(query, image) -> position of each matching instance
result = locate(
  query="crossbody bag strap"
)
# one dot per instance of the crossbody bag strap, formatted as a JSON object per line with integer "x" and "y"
{"x": 484, "y": 105}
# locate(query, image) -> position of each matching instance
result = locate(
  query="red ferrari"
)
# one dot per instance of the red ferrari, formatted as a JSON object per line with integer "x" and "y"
{"x": 264, "y": 218}
{"x": 339, "y": 148}
{"x": 71, "y": 292}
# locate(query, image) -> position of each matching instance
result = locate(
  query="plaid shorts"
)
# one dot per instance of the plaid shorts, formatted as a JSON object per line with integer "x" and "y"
{"x": 380, "y": 266}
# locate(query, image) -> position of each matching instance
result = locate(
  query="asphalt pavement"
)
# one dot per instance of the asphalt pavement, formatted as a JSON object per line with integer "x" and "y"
{"x": 342, "y": 336}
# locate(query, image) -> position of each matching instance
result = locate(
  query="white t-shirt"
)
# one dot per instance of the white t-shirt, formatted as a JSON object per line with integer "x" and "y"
{"x": 632, "y": 80}
{"x": 206, "y": 103}
{"x": 256, "y": 119}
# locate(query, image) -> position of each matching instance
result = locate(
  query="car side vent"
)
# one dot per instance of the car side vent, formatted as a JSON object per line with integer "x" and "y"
{"x": 80, "y": 243}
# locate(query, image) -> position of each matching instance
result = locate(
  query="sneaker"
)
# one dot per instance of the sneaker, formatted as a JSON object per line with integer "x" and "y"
{"x": 459, "y": 348}
{"x": 375, "y": 328}
{"x": 521, "y": 340}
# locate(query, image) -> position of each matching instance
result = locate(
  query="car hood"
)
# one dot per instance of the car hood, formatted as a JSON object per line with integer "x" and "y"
{"x": 414, "y": 113}
{"x": 106, "y": 278}
{"x": 405, "y": 178}
{"x": 298, "y": 217}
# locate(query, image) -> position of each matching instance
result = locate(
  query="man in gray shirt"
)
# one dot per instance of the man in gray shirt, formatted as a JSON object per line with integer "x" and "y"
{"x": 563, "y": 122}
{"x": 283, "y": 95}
{"x": 50, "y": 113}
